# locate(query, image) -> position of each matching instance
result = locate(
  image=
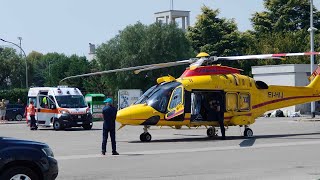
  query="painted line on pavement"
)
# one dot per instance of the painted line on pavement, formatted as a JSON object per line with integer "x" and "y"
{"x": 172, "y": 151}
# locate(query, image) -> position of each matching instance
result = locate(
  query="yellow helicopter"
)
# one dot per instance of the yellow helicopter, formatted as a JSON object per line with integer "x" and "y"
{"x": 207, "y": 95}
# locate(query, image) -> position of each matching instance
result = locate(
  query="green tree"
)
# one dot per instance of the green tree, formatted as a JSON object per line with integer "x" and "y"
{"x": 140, "y": 44}
{"x": 284, "y": 16}
{"x": 57, "y": 66}
{"x": 220, "y": 37}
{"x": 35, "y": 69}
{"x": 216, "y": 36}
{"x": 12, "y": 69}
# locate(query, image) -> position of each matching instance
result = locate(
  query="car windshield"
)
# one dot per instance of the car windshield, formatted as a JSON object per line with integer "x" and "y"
{"x": 71, "y": 101}
{"x": 158, "y": 96}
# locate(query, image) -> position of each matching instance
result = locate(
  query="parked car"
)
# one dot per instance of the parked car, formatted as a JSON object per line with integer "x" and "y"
{"x": 22, "y": 159}
{"x": 15, "y": 112}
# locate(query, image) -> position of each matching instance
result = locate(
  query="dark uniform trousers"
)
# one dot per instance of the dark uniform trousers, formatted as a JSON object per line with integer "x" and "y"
{"x": 32, "y": 122}
{"x": 112, "y": 133}
{"x": 221, "y": 124}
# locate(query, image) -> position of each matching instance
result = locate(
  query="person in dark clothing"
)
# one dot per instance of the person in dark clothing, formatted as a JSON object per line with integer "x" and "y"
{"x": 109, "y": 125}
{"x": 218, "y": 115}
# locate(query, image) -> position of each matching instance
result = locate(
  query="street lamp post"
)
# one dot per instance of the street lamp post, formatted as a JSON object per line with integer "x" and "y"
{"x": 312, "y": 30}
{"x": 49, "y": 73}
{"x": 24, "y": 56}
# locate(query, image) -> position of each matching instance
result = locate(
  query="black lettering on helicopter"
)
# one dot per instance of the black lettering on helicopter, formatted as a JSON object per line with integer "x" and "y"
{"x": 275, "y": 94}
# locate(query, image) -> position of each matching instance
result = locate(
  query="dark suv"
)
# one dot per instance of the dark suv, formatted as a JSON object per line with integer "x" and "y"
{"x": 15, "y": 111}
{"x": 21, "y": 159}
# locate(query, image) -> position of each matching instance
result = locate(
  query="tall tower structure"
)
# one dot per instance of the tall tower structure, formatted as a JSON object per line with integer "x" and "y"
{"x": 174, "y": 15}
{"x": 92, "y": 52}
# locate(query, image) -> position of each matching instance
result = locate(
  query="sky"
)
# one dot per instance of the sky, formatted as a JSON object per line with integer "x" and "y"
{"x": 68, "y": 26}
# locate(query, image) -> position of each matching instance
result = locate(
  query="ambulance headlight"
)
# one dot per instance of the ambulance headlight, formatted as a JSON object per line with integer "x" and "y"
{"x": 64, "y": 112}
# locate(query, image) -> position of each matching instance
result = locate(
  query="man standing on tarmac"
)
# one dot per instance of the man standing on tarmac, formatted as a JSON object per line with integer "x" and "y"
{"x": 109, "y": 125}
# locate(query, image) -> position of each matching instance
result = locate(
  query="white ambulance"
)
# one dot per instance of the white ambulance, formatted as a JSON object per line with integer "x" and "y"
{"x": 60, "y": 107}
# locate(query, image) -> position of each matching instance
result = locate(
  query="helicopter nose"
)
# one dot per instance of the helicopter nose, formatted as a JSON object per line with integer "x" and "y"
{"x": 135, "y": 114}
{"x": 124, "y": 114}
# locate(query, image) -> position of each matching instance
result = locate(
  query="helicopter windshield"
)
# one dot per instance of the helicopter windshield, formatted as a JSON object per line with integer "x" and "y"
{"x": 158, "y": 96}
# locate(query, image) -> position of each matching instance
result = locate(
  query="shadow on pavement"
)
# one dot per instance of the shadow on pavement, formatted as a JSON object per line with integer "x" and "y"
{"x": 69, "y": 129}
{"x": 245, "y": 143}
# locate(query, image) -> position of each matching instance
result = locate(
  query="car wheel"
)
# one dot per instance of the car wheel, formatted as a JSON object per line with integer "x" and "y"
{"x": 19, "y": 172}
{"x": 18, "y": 117}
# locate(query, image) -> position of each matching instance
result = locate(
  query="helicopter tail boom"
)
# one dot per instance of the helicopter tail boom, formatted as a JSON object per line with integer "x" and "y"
{"x": 315, "y": 79}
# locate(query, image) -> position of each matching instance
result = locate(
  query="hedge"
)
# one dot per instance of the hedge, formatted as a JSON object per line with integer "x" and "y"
{"x": 14, "y": 94}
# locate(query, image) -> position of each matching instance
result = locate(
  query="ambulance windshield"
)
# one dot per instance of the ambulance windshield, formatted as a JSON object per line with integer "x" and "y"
{"x": 71, "y": 101}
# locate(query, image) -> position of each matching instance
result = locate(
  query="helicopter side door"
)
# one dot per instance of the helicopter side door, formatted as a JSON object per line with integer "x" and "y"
{"x": 207, "y": 105}
{"x": 176, "y": 103}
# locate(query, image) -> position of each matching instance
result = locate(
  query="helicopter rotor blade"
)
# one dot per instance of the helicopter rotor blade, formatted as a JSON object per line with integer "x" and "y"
{"x": 164, "y": 65}
{"x": 137, "y": 69}
{"x": 267, "y": 56}
{"x": 106, "y": 72}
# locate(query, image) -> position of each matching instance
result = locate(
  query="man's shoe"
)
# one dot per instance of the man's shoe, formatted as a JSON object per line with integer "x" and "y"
{"x": 103, "y": 153}
{"x": 115, "y": 153}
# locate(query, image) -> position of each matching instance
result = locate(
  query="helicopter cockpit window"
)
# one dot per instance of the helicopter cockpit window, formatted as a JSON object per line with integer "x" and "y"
{"x": 142, "y": 99}
{"x": 176, "y": 98}
{"x": 158, "y": 96}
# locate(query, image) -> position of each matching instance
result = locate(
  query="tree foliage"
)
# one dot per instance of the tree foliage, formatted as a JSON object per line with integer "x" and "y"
{"x": 284, "y": 16}
{"x": 140, "y": 44}
{"x": 12, "y": 69}
{"x": 216, "y": 36}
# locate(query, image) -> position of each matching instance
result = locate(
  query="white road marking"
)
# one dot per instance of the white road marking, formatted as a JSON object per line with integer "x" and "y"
{"x": 172, "y": 151}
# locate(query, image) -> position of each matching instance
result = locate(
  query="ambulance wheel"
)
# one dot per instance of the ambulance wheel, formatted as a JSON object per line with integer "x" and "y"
{"x": 145, "y": 137}
{"x": 211, "y": 131}
{"x": 57, "y": 125}
{"x": 87, "y": 126}
{"x": 248, "y": 133}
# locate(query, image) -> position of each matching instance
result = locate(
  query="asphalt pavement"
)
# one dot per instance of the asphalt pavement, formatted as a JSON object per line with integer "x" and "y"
{"x": 282, "y": 148}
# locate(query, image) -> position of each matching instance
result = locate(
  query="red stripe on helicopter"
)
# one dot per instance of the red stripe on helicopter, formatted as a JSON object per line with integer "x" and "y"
{"x": 311, "y": 53}
{"x": 278, "y": 100}
{"x": 177, "y": 113}
{"x": 249, "y": 114}
{"x": 277, "y": 55}
{"x": 209, "y": 70}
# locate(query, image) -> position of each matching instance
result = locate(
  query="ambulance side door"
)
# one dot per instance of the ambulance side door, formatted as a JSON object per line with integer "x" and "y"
{"x": 44, "y": 109}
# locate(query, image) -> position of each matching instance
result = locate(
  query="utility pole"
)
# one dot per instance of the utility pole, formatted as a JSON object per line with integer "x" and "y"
{"x": 20, "y": 39}
{"x": 311, "y": 30}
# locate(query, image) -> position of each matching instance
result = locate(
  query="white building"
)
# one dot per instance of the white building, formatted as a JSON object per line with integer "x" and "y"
{"x": 173, "y": 16}
{"x": 286, "y": 75}
{"x": 92, "y": 52}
